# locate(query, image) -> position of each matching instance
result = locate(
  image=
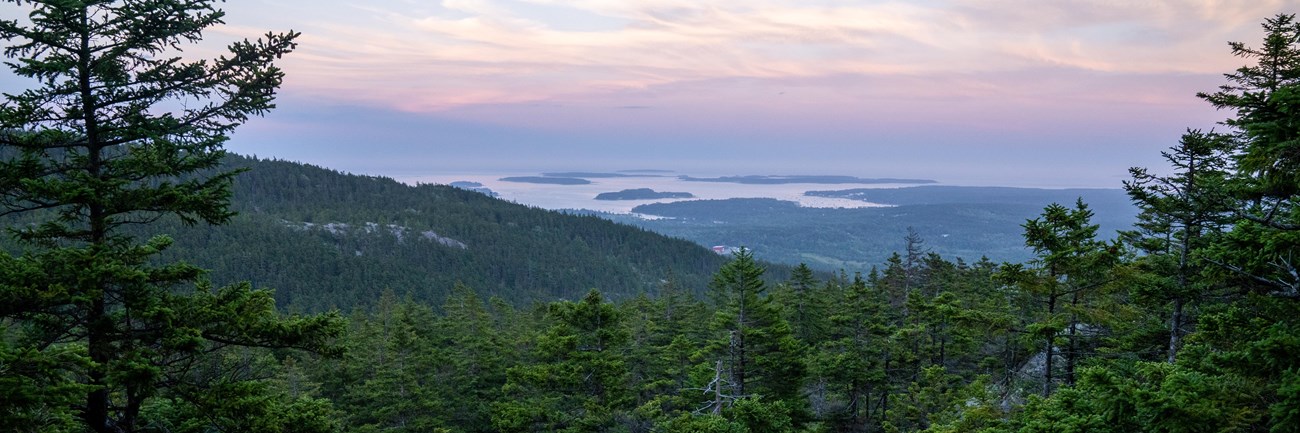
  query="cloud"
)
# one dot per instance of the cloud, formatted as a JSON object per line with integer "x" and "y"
{"x": 464, "y": 52}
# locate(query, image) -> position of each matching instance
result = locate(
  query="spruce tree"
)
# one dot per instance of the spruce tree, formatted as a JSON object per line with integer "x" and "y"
{"x": 852, "y": 360}
{"x": 580, "y": 383}
{"x": 1072, "y": 266}
{"x": 1264, "y": 97}
{"x": 803, "y": 304}
{"x": 1178, "y": 212}
{"x": 755, "y": 345}
{"x": 120, "y": 130}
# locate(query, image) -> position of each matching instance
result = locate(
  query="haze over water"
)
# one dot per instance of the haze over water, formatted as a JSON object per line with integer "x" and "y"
{"x": 550, "y": 196}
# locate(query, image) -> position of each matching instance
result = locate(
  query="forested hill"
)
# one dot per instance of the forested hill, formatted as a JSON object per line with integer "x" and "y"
{"x": 325, "y": 239}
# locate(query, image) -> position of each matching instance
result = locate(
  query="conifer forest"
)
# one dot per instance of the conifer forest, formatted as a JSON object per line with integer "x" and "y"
{"x": 119, "y": 314}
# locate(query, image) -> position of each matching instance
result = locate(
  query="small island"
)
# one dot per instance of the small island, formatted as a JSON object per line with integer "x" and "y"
{"x": 473, "y": 186}
{"x": 466, "y": 184}
{"x": 641, "y": 194}
{"x": 547, "y": 180}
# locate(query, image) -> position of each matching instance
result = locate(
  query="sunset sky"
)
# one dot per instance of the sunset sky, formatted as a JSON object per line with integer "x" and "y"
{"x": 999, "y": 92}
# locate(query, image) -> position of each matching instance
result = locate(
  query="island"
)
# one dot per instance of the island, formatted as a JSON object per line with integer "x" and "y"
{"x": 473, "y": 186}
{"x": 641, "y": 194}
{"x": 777, "y": 180}
{"x": 547, "y": 180}
{"x": 595, "y": 175}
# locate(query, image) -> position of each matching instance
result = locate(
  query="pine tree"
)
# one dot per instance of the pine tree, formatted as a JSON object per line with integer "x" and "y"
{"x": 666, "y": 332}
{"x": 852, "y": 360}
{"x": 476, "y": 354}
{"x": 1265, "y": 97}
{"x": 1178, "y": 212}
{"x": 121, "y": 131}
{"x": 803, "y": 304}
{"x": 755, "y": 345}
{"x": 1072, "y": 265}
{"x": 580, "y": 382}
{"x": 392, "y": 385}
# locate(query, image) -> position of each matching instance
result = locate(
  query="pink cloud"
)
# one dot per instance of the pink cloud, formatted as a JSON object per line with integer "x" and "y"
{"x": 482, "y": 52}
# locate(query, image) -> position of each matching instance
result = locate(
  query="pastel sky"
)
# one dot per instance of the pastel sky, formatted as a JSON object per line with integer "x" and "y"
{"x": 988, "y": 92}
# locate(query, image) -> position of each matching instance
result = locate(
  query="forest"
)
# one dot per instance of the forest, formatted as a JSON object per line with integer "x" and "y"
{"x": 328, "y": 240}
{"x": 1190, "y": 322}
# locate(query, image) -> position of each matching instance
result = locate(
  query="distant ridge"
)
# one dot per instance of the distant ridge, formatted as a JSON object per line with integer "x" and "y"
{"x": 956, "y": 222}
{"x": 548, "y": 180}
{"x": 774, "y": 180}
{"x": 325, "y": 239}
{"x": 935, "y": 194}
{"x": 647, "y": 170}
{"x": 584, "y": 174}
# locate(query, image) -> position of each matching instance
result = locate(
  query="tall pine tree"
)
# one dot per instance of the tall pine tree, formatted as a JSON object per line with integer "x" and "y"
{"x": 755, "y": 345}
{"x": 119, "y": 130}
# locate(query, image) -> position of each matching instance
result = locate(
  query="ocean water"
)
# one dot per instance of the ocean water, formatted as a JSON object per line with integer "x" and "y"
{"x": 549, "y": 196}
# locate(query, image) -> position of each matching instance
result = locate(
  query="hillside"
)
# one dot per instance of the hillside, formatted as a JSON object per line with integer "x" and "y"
{"x": 322, "y": 239}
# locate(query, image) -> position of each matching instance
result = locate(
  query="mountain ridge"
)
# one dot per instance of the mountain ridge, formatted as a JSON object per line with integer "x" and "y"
{"x": 323, "y": 239}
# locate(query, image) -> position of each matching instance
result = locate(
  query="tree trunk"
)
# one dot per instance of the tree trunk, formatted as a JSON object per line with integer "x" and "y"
{"x": 1047, "y": 352}
{"x": 1175, "y": 329}
{"x": 99, "y": 329}
{"x": 1071, "y": 356}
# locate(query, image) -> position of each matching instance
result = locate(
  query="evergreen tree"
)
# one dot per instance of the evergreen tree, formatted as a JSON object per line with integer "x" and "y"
{"x": 1263, "y": 97}
{"x": 755, "y": 345}
{"x": 852, "y": 360}
{"x": 1178, "y": 212}
{"x": 476, "y": 355}
{"x": 1073, "y": 265}
{"x": 803, "y": 304}
{"x": 1236, "y": 371}
{"x": 389, "y": 383}
{"x": 116, "y": 134}
{"x": 666, "y": 334}
{"x": 580, "y": 383}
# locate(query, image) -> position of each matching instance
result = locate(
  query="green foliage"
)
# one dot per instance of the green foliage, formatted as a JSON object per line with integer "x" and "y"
{"x": 36, "y": 388}
{"x": 960, "y": 222}
{"x": 101, "y": 329}
{"x": 1180, "y": 213}
{"x": 115, "y": 134}
{"x": 758, "y": 416}
{"x": 665, "y": 335}
{"x": 755, "y": 344}
{"x": 389, "y": 381}
{"x": 688, "y": 423}
{"x": 230, "y": 396}
{"x": 325, "y": 239}
{"x": 579, "y": 383}
{"x": 851, "y": 361}
{"x": 1071, "y": 270}
{"x": 747, "y": 415}
{"x": 1264, "y": 98}
{"x": 804, "y": 304}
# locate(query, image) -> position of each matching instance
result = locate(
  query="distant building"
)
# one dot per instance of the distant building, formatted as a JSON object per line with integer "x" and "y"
{"x": 725, "y": 250}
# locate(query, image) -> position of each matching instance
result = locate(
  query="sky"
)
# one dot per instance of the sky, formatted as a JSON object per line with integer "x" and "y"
{"x": 1061, "y": 93}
